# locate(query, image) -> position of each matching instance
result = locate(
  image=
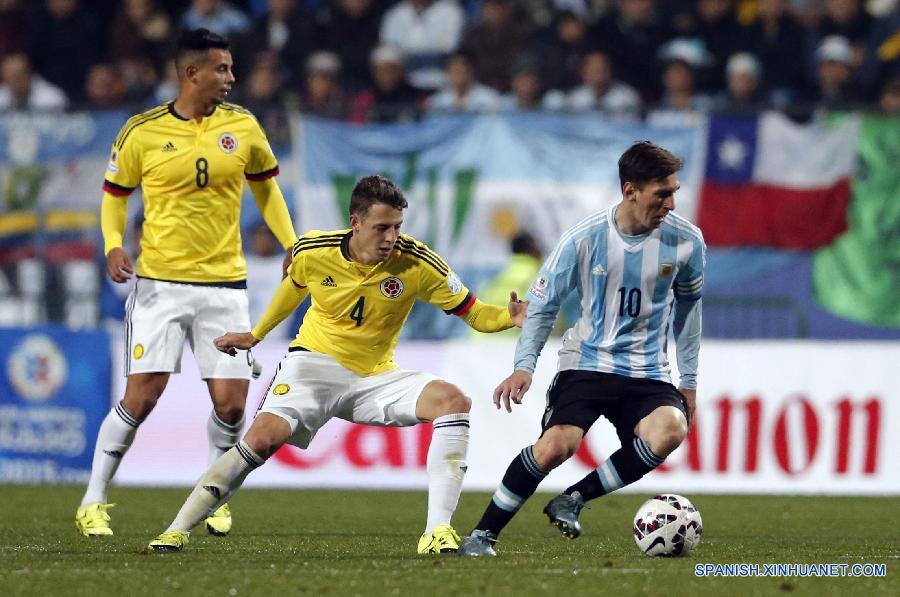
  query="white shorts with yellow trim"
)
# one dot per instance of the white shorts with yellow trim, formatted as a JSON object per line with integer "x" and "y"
{"x": 310, "y": 388}
{"x": 159, "y": 316}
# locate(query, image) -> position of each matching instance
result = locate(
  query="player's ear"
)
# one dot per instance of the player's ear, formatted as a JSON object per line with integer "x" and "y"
{"x": 354, "y": 222}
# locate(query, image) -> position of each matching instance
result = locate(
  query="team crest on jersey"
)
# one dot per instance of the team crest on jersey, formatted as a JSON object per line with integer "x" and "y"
{"x": 454, "y": 283}
{"x": 666, "y": 269}
{"x": 391, "y": 287}
{"x": 227, "y": 142}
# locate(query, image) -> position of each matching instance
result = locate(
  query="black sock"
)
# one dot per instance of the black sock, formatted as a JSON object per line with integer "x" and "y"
{"x": 521, "y": 479}
{"x": 627, "y": 464}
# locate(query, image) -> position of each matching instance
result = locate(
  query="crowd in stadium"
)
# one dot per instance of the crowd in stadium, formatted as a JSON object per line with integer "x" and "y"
{"x": 394, "y": 60}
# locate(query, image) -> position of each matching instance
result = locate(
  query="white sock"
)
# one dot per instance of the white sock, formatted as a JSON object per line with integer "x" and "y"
{"x": 116, "y": 434}
{"x": 222, "y": 436}
{"x": 216, "y": 486}
{"x": 446, "y": 466}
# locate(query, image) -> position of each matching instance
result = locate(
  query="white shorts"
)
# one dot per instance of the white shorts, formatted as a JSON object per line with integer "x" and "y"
{"x": 160, "y": 315}
{"x": 310, "y": 388}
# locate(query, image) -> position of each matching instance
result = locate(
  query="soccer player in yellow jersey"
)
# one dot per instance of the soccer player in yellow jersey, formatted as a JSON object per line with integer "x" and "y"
{"x": 190, "y": 158}
{"x": 363, "y": 283}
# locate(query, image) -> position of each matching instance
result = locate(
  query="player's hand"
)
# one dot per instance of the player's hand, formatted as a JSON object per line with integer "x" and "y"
{"x": 286, "y": 264}
{"x": 512, "y": 388}
{"x": 231, "y": 341}
{"x": 517, "y": 309}
{"x": 118, "y": 265}
{"x": 690, "y": 399}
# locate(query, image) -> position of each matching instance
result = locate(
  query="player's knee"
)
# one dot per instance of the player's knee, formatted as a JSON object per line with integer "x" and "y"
{"x": 667, "y": 433}
{"x": 449, "y": 400}
{"x": 230, "y": 414}
{"x": 553, "y": 449}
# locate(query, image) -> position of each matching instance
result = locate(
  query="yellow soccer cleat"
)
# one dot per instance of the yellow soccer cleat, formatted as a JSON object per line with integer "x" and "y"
{"x": 443, "y": 539}
{"x": 93, "y": 521}
{"x": 219, "y": 524}
{"x": 170, "y": 541}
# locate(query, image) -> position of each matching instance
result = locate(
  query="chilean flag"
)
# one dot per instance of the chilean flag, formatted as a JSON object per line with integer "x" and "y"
{"x": 775, "y": 183}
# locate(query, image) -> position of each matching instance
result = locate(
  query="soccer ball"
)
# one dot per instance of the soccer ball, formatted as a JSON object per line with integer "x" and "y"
{"x": 667, "y": 525}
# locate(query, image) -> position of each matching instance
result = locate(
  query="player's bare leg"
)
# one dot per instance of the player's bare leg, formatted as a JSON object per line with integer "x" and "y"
{"x": 268, "y": 433}
{"x": 223, "y": 429}
{"x": 142, "y": 392}
{"x": 447, "y": 408}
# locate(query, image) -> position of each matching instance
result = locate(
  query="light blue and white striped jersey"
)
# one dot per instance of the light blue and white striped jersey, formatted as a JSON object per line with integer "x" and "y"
{"x": 626, "y": 287}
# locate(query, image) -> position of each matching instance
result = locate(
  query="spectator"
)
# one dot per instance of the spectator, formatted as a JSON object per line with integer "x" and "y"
{"x": 518, "y": 274}
{"x": 777, "y": 39}
{"x": 140, "y": 29}
{"x": 427, "y": 31}
{"x": 562, "y": 48}
{"x": 104, "y": 87}
{"x": 350, "y": 30}
{"x": 462, "y": 92}
{"x": 391, "y": 98}
{"x": 889, "y": 100}
{"x": 527, "y": 86}
{"x": 835, "y": 88}
{"x": 288, "y": 30}
{"x": 66, "y": 40}
{"x": 22, "y": 90}
{"x": 744, "y": 85}
{"x": 715, "y": 23}
{"x": 139, "y": 74}
{"x": 496, "y": 41}
{"x": 263, "y": 94}
{"x": 682, "y": 58}
{"x": 599, "y": 91}
{"x": 631, "y": 37}
{"x": 167, "y": 89}
{"x": 322, "y": 95}
{"x": 216, "y": 15}
{"x": 13, "y": 28}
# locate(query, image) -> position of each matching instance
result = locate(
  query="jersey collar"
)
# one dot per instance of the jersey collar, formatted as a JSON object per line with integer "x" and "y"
{"x": 180, "y": 117}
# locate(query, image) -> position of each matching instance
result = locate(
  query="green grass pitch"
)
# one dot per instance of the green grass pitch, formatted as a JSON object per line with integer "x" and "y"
{"x": 327, "y": 542}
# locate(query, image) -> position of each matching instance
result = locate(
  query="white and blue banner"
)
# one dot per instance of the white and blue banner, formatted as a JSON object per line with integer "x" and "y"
{"x": 54, "y": 393}
{"x": 473, "y": 181}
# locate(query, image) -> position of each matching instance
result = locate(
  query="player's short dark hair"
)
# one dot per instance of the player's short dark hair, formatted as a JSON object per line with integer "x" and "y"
{"x": 375, "y": 189}
{"x": 193, "y": 43}
{"x": 646, "y": 161}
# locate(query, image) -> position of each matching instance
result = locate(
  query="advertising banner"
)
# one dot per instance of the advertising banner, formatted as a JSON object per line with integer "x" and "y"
{"x": 54, "y": 393}
{"x": 773, "y": 417}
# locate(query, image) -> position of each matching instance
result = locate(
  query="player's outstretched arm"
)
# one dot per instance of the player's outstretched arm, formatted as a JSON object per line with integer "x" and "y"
{"x": 231, "y": 341}
{"x": 113, "y": 212}
{"x": 512, "y": 389}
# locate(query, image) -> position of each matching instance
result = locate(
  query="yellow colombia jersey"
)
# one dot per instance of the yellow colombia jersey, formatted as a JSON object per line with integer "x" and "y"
{"x": 192, "y": 177}
{"x": 358, "y": 310}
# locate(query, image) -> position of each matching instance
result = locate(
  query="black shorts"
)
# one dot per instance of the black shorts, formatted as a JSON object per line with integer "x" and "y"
{"x": 579, "y": 398}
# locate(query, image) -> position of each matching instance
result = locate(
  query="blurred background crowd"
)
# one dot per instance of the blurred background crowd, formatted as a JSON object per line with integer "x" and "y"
{"x": 395, "y": 60}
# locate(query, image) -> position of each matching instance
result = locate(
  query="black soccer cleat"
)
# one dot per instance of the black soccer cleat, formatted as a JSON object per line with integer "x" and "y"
{"x": 563, "y": 511}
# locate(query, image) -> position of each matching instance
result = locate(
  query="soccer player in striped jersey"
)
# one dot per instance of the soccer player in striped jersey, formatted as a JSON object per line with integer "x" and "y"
{"x": 634, "y": 267}
{"x": 190, "y": 158}
{"x": 363, "y": 282}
